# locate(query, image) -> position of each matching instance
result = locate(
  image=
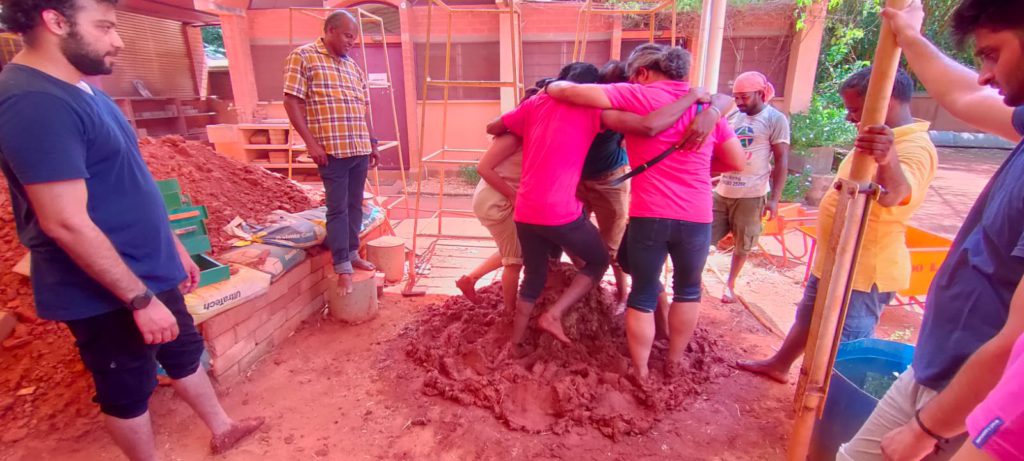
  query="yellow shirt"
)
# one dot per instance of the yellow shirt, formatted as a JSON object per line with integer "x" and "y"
{"x": 884, "y": 257}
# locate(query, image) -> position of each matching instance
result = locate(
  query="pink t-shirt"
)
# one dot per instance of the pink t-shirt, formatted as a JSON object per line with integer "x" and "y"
{"x": 556, "y": 137}
{"x": 996, "y": 426}
{"x": 678, "y": 187}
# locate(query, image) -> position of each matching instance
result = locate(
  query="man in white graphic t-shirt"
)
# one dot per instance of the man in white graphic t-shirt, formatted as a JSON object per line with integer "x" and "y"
{"x": 742, "y": 198}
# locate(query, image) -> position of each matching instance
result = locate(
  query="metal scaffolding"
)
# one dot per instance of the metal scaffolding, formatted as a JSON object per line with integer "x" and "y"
{"x": 439, "y": 157}
{"x": 363, "y": 17}
{"x": 589, "y": 8}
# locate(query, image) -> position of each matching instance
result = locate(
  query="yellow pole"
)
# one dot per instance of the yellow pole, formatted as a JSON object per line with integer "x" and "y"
{"x": 827, "y": 320}
{"x": 422, "y": 137}
{"x": 716, "y": 34}
{"x": 444, "y": 124}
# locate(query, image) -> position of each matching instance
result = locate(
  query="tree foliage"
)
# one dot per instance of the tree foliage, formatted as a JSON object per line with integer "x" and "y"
{"x": 213, "y": 42}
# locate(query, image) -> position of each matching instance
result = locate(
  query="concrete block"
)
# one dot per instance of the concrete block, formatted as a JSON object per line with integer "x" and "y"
{"x": 249, "y": 325}
{"x": 227, "y": 377}
{"x": 313, "y": 278}
{"x": 217, "y": 325}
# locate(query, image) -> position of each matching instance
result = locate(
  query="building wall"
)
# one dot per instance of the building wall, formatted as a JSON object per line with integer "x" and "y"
{"x": 157, "y": 53}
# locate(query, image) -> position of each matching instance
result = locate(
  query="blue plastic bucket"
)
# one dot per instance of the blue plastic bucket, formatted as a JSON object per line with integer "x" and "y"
{"x": 847, "y": 405}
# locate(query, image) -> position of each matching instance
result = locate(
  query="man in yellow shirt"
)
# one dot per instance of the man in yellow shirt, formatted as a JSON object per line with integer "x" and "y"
{"x": 907, "y": 162}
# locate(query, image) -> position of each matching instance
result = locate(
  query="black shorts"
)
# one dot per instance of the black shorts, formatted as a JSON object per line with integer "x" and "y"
{"x": 123, "y": 366}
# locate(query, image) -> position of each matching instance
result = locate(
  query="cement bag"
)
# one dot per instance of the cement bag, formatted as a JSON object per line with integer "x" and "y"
{"x": 210, "y": 300}
{"x": 281, "y": 228}
{"x": 273, "y": 260}
{"x": 373, "y": 215}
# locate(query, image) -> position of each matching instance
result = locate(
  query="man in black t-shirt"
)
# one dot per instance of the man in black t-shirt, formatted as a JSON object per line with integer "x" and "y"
{"x": 104, "y": 259}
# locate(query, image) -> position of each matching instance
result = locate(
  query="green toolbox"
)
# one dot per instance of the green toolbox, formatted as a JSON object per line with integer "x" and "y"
{"x": 188, "y": 221}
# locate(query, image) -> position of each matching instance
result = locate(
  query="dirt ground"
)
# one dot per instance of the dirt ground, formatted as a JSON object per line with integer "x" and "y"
{"x": 349, "y": 392}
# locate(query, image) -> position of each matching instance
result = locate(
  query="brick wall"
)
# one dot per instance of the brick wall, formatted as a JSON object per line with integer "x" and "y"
{"x": 239, "y": 337}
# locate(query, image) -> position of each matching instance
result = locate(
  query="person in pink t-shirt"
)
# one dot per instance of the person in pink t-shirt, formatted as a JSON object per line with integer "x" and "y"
{"x": 996, "y": 426}
{"x": 556, "y": 138}
{"x": 670, "y": 206}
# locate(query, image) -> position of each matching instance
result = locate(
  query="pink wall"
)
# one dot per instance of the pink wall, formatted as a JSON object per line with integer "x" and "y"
{"x": 467, "y": 121}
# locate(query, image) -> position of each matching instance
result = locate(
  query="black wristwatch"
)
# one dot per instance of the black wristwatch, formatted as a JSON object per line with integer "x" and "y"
{"x": 141, "y": 301}
{"x": 374, "y": 141}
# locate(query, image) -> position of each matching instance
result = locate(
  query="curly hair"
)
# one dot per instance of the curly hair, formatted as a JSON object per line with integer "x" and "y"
{"x": 902, "y": 89}
{"x": 673, "y": 61}
{"x": 21, "y": 16}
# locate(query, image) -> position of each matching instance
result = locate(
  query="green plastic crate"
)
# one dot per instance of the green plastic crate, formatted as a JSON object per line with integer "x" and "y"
{"x": 203, "y": 214}
{"x": 196, "y": 244}
{"x": 168, "y": 186}
{"x": 210, "y": 271}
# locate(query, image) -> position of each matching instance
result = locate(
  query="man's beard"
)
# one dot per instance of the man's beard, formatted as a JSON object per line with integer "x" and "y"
{"x": 79, "y": 55}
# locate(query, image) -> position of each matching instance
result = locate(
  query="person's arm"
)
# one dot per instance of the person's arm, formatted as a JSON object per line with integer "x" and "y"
{"x": 878, "y": 142}
{"x": 589, "y": 95}
{"x": 502, "y": 147}
{"x": 946, "y": 414}
{"x": 730, "y": 156}
{"x": 654, "y": 122}
{"x": 780, "y": 170}
{"x": 496, "y": 127}
{"x": 61, "y": 208}
{"x": 295, "y": 107}
{"x": 706, "y": 121}
{"x": 296, "y": 88}
{"x": 953, "y": 86}
{"x": 191, "y": 269}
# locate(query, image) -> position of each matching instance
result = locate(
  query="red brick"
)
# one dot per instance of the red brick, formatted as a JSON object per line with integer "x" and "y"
{"x": 7, "y": 323}
{"x": 251, "y": 324}
{"x": 233, "y": 355}
{"x": 221, "y": 344}
{"x": 296, "y": 304}
{"x": 296, "y": 274}
{"x": 311, "y": 279}
{"x": 269, "y": 327}
{"x": 281, "y": 287}
{"x": 249, "y": 360}
{"x": 227, "y": 377}
{"x": 313, "y": 307}
{"x": 224, "y": 321}
{"x": 283, "y": 301}
{"x": 282, "y": 334}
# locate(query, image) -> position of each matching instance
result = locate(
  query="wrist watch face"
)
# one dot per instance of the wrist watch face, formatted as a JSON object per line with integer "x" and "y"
{"x": 141, "y": 301}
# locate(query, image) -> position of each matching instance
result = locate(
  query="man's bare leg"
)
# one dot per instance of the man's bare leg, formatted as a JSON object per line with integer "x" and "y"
{"x": 510, "y": 285}
{"x": 738, "y": 260}
{"x": 640, "y": 338}
{"x": 620, "y": 285}
{"x": 551, "y": 321}
{"x": 344, "y": 284}
{"x": 777, "y": 366}
{"x": 467, "y": 283}
{"x": 197, "y": 391}
{"x": 133, "y": 436}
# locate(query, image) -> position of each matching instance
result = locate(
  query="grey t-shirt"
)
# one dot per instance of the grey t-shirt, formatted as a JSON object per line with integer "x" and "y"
{"x": 757, "y": 134}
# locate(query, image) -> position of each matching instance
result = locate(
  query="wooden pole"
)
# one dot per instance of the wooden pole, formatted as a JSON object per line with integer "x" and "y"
{"x": 716, "y": 35}
{"x": 700, "y": 48}
{"x": 841, "y": 250}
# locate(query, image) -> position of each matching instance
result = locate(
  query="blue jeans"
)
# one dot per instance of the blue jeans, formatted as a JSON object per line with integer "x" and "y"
{"x": 344, "y": 180}
{"x": 540, "y": 244}
{"x": 861, "y": 316}
{"x": 648, "y": 241}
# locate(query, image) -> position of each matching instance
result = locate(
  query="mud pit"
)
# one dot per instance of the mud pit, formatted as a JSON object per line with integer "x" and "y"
{"x": 549, "y": 386}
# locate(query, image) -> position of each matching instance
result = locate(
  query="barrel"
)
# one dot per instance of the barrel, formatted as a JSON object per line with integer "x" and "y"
{"x": 358, "y": 306}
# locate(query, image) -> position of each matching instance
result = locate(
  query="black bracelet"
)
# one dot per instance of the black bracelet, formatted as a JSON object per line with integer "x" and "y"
{"x": 937, "y": 437}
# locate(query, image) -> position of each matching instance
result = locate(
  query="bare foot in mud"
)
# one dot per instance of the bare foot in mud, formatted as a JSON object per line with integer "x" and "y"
{"x": 239, "y": 431}
{"x": 467, "y": 285}
{"x": 553, "y": 326}
{"x": 764, "y": 368}
{"x": 728, "y": 297}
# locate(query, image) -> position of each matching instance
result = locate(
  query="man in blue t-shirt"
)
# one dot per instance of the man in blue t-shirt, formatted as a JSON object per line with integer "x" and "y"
{"x": 104, "y": 259}
{"x": 972, "y": 317}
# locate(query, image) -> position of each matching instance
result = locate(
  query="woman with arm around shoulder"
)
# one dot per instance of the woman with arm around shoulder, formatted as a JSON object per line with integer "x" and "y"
{"x": 670, "y": 206}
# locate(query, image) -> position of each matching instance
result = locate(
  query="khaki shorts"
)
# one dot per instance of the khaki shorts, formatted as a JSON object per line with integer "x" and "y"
{"x": 610, "y": 204}
{"x": 896, "y": 408}
{"x": 495, "y": 212}
{"x": 741, "y": 216}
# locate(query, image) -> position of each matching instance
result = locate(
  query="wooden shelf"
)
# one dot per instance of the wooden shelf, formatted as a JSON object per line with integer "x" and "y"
{"x": 155, "y": 117}
{"x": 180, "y": 123}
{"x": 201, "y": 114}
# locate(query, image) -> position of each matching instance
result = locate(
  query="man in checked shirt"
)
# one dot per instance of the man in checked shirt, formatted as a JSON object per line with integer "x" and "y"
{"x": 325, "y": 97}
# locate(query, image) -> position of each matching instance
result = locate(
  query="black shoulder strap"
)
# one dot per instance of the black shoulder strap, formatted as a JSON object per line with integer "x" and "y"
{"x": 654, "y": 161}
